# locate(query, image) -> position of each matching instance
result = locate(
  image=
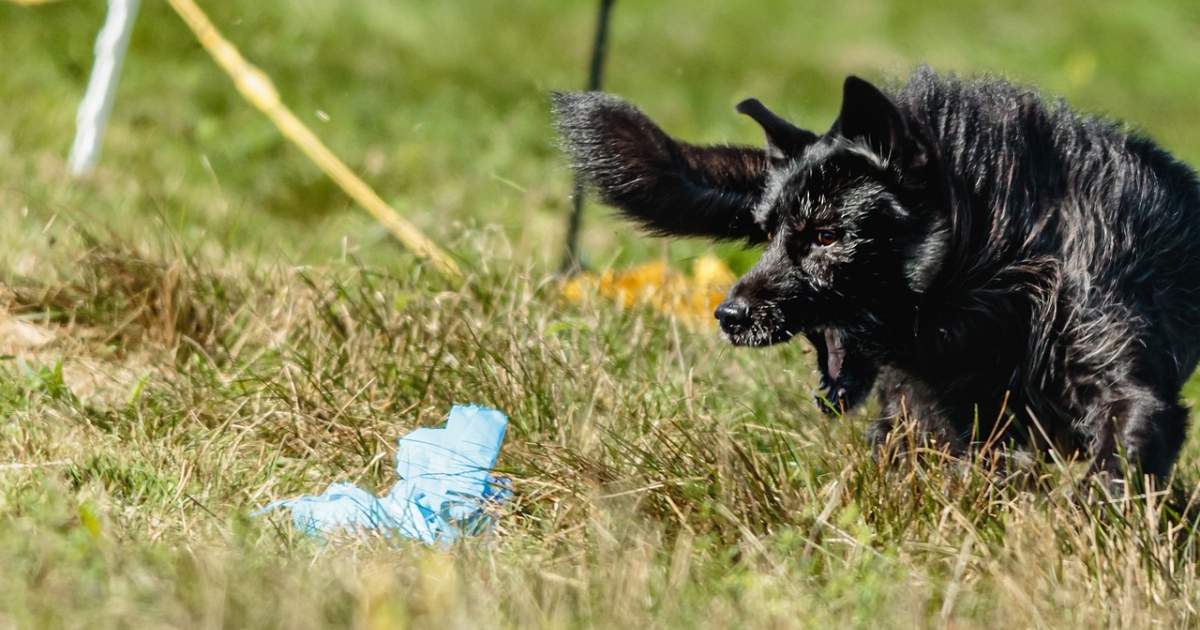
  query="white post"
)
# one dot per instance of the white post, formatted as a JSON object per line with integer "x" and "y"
{"x": 97, "y": 101}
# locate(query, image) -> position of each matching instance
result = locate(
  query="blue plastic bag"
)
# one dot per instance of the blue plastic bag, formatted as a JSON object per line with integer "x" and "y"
{"x": 444, "y": 490}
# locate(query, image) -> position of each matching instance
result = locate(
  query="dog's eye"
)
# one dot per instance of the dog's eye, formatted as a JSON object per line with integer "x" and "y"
{"x": 825, "y": 238}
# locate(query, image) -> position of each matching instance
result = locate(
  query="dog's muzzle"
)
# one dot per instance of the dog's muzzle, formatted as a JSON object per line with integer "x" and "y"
{"x": 734, "y": 316}
{"x": 744, "y": 324}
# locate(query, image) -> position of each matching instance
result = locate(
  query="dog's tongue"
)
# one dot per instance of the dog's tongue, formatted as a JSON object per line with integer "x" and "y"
{"x": 833, "y": 343}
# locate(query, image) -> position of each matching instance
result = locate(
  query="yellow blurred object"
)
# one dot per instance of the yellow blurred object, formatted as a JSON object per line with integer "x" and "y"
{"x": 689, "y": 296}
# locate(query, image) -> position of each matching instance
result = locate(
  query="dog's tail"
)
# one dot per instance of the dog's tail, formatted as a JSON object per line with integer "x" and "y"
{"x": 667, "y": 186}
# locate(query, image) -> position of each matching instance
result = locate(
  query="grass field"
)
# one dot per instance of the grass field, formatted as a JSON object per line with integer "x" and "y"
{"x": 208, "y": 324}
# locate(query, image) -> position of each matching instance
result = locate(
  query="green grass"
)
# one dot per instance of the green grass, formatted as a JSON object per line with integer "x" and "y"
{"x": 208, "y": 324}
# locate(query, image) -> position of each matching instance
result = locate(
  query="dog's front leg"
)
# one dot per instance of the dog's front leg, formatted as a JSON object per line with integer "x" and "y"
{"x": 1144, "y": 427}
{"x": 910, "y": 417}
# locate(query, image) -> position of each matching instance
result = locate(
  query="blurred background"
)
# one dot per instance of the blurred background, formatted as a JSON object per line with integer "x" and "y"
{"x": 442, "y": 106}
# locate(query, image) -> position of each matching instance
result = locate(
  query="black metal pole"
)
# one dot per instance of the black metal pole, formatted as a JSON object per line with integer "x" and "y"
{"x": 571, "y": 262}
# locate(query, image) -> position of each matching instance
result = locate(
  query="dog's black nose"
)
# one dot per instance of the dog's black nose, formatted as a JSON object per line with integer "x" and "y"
{"x": 733, "y": 314}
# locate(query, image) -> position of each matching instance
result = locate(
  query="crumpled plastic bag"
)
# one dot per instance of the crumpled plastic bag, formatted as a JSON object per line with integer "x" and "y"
{"x": 446, "y": 487}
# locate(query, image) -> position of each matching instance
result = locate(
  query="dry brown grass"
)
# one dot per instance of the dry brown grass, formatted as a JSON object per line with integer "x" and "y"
{"x": 645, "y": 493}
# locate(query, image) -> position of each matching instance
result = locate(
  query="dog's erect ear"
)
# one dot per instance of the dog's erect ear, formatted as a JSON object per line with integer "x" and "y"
{"x": 784, "y": 140}
{"x": 869, "y": 115}
{"x": 669, "y": 187}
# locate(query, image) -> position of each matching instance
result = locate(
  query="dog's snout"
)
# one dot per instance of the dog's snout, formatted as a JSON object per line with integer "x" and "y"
{"x": 733, "y": 314}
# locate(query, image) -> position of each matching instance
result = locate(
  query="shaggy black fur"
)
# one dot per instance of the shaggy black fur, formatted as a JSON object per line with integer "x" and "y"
{"x": 993, "y": 265}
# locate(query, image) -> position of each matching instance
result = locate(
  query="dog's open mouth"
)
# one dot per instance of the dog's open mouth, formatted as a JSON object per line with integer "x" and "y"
{"x": 845, "y": 375}
{"x": 831, "y": 356}
{"x": 837, "y": 352}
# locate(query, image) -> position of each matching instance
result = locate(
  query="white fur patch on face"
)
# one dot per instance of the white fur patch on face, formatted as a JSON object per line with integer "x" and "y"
{"x": 772, "y": 191}
{"x": 865, "y": 151}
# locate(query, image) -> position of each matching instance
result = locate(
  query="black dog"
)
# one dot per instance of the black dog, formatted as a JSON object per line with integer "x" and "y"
{"x": 994, "y": 265}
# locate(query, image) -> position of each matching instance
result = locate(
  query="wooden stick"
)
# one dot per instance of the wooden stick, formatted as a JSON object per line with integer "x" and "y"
{"x": 257, "y": 88}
